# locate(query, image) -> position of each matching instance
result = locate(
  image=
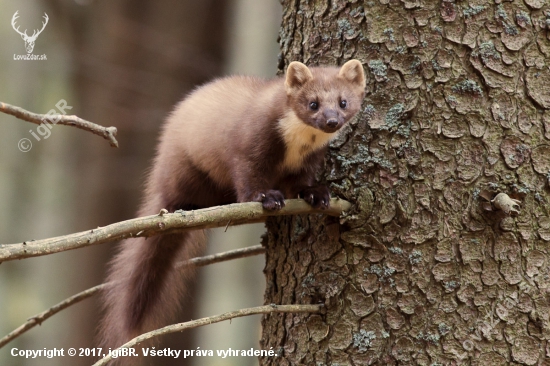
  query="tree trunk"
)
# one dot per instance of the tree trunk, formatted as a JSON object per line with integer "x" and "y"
{"x": 426, "y": 269}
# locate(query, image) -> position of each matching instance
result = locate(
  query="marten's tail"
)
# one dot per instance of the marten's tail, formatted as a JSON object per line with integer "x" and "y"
{"x": 146, "y": 287}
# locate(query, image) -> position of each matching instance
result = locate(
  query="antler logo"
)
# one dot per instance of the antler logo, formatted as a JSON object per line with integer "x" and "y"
{"x": 29, "y": 40}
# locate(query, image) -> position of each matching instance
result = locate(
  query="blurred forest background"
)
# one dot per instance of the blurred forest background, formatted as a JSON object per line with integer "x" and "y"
{"x": 123, "y": 64}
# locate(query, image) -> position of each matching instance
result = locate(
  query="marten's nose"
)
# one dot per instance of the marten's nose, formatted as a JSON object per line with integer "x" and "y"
{"x": 332, "y": 122}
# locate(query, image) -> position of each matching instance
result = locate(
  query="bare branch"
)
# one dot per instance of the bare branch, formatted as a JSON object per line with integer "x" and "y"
{"x": 198, "y": 262}
{"x": 223, "y": 257}
{"x": 219, "y": 216}
{"x": 267, "y": 309}
{"x": 39, "y": 318}
{"x": 108, "y": 133}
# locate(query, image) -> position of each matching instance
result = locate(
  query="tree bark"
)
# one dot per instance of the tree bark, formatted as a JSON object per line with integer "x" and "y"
{"x": 426, "y": 270}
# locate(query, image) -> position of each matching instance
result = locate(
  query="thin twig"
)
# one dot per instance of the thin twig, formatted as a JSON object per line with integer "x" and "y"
{"x": 267, "y": 309}
{"x": 39, "y": 318}
{"x": 222, "y": 257}
{"x": 199, "y": 262}
{"x": 108, "y": 133}
{"x": 238, "y": 213}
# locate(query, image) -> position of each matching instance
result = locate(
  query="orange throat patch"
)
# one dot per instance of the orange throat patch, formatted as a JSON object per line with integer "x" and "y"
{"x": 300, "y": 140}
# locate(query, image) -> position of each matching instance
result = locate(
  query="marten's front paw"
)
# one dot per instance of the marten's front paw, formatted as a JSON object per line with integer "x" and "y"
{"x": 272, "y": 200}
{"x": 317, "y": 197}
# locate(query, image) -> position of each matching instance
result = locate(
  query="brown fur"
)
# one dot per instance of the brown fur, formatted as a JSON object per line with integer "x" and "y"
{"x": 236, "y": 139}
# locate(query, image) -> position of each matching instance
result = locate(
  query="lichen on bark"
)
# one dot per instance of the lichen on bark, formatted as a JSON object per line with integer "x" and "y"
{"x": 425, "y": 270}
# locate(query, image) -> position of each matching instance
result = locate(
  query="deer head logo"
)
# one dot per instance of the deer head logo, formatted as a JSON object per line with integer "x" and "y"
{"x": 29, "y": 40}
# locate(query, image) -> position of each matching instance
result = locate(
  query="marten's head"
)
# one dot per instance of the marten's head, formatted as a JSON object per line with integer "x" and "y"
{"x": 325, "y": 97}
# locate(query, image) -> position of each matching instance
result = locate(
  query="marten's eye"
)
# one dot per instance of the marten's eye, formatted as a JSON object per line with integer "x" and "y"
{"x": 313, "y": 106}
{"x": 343, "y": 104}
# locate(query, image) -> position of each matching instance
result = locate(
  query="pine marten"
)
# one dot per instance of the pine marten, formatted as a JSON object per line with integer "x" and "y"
{"x": 236, "y": 139}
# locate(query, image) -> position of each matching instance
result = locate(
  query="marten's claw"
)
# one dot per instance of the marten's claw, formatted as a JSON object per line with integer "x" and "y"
{"x": 317, "y": 197}
{"x": 273, "y": 200}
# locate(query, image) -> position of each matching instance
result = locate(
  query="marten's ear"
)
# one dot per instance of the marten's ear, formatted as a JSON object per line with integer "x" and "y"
{"x": 297, "y": 74}
{"x": 352, "y": 71}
